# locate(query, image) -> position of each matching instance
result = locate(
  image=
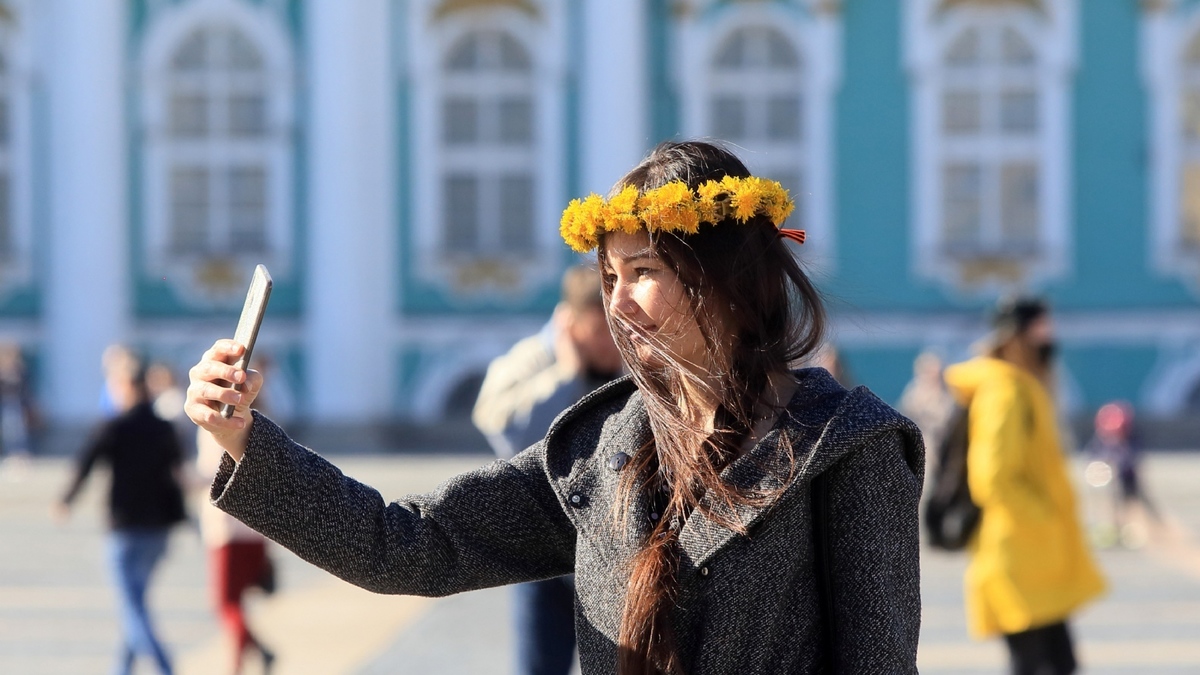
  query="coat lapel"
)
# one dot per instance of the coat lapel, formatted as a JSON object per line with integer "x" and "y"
{"x": 766, "y": 470}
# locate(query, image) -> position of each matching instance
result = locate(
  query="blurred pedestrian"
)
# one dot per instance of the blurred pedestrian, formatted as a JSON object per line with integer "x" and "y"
{"x": 830, "y": 358}
{"x": 144, "y": 501}
{"x": 237, "y": 562}
{"x": 1030, "y": 566}
{"x": 1114, "y": 445}
{"x": 523, "y": 392}
{"x": 166, "y": 397}
{"x": 722, "y": 512}
{"x": 18, "y": 413}
{"x": 115, "y": 357}
{"x": 928, "y": 402}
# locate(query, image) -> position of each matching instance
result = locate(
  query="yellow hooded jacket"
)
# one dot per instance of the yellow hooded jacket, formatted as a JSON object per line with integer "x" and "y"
{"x": 1030, "y": 565}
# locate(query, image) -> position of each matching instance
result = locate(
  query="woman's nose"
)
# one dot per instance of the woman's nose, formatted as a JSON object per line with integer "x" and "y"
{"x": 621, "y": 302}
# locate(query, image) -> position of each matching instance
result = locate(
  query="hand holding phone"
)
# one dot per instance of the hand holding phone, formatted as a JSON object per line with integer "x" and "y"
{"x": 252, "y": 316}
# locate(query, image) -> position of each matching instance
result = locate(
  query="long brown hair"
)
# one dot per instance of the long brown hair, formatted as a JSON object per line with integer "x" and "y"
{"x": 758, "y": 313}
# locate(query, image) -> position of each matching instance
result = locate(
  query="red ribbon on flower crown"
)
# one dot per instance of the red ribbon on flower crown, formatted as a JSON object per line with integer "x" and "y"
{"x": 792, "y": 235}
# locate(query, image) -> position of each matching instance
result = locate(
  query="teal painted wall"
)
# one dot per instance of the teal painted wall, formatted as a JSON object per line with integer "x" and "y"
{"x": 1107, "y": 373}
{"x": 871, "y": 179}
{"x": 884, "y": 370}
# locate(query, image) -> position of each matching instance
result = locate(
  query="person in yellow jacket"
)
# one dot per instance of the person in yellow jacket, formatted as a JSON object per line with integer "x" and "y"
{"x": 1030, "y": 566}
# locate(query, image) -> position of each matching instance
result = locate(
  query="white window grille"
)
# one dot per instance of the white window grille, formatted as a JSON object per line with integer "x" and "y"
{"x": 763, "y": 77}
{"x": 219, "y": 146}
{"x": 488, "y": 147}
{"x": 757, "y": 102}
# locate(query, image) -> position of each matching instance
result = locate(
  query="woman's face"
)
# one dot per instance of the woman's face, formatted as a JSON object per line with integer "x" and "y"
{"x": 649, "y": 300}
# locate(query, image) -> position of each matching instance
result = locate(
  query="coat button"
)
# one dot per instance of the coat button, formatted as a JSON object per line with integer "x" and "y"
{"x": 576, "y": 499}
{"x": 618, "y": 461}
{"x": 704, "y": 571}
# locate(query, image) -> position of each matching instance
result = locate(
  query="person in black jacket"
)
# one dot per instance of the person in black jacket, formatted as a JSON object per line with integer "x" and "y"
{"x": 144, "y": 501}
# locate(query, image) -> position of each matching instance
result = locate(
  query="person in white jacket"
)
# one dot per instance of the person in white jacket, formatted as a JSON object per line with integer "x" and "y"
{"x": 523, "y": 392}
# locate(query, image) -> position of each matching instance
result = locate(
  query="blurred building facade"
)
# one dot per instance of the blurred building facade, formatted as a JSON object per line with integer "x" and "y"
{"x": 400, "y": 166}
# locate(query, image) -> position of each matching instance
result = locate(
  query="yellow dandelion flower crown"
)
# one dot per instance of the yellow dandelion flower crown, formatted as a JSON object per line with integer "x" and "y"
{"x": 674, "y": 207}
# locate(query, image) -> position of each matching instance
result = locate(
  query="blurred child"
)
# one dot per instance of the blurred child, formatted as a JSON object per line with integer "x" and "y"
{"x": 1114, "y": 444}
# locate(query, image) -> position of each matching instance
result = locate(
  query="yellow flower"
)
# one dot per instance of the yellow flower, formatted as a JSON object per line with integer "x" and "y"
{"x": 747, "y": 196}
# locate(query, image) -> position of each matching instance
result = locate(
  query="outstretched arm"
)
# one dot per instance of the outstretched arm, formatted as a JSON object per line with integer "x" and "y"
{"x": 496, "y": 525}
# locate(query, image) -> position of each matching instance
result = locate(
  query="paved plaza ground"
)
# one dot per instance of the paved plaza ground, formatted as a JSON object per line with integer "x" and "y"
{"x": 56, "y": 609}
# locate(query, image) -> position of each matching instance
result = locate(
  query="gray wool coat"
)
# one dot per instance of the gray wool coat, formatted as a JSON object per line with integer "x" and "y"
{"x": 746, "y": 603}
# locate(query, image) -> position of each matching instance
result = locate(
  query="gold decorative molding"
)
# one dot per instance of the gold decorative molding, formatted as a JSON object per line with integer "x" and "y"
{"x": 486, "y": 273}
{"x": 980, "y": 271}
{"x": 447, "y": 7}
{"x": 219, "y": 276}
{"x": 947, "y": 5}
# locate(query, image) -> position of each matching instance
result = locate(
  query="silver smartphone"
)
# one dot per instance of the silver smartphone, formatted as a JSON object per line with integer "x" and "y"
{"x": 251, "y": 319}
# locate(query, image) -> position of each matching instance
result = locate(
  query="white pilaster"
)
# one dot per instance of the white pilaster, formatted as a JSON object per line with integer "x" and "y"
{"x": 351, "y": 246}
{"x": 87, "y": 304}
{"x": 615, "y": 106}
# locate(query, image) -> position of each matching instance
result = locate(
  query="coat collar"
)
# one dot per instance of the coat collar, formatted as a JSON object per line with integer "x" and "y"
{"x": 767, "y": 470}
{"x": 822, "y": 423}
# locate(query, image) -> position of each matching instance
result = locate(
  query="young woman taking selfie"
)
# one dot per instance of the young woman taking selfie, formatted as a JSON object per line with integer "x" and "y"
{"x": 722, "y": 512}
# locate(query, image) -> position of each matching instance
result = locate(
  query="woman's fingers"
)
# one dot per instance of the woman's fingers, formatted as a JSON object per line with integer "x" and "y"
{"x": 213, "y": 383}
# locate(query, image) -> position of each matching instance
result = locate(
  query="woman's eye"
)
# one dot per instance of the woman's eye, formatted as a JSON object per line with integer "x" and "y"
{"x": 642, "y": 271}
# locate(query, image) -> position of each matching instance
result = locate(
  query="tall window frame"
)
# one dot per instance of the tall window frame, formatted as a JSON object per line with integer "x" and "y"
{"x": 16, "y": 147}
{"x": 991, "y": 144}
{"x": 217, "y": 133}
{"x": 514, "y": 160}
{"x": 1170, "y": 60}
{"x": 764, "y": 77}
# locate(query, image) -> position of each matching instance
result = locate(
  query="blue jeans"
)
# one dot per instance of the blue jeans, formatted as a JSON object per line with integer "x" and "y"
{"x": 132, "y": 556}
{"x": 544, "y": 618}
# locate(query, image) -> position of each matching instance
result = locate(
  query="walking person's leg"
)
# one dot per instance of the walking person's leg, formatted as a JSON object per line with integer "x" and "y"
{"x": 145, "y": 549}
{"x": 544, "y": 614}
{"x": 239, "y": 565}
{"x": 1046, "y": 650}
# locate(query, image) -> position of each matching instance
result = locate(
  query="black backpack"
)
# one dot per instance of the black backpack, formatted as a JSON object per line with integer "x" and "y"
{"x": 951, "y": 517}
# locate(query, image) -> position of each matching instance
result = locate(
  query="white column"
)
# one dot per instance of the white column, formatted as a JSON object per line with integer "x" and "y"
{"x": 615, "y": 107}
{"x": 351, "y": 257}
{"x": 87, "y": 302}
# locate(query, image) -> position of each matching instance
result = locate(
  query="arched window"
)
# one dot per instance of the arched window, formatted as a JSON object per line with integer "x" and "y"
{"x": 756, "y": 101}
{"x": 216, "y": 162}
{"x": 991, "y": 132}
{"x": 991, "y": 114}
{"x": 7, "y": 235}
{"x": 488, "y": 148}
{"x": 1189, "y": 147}
{"x": 218, "y": 145}
{"x": 763, "y": 76}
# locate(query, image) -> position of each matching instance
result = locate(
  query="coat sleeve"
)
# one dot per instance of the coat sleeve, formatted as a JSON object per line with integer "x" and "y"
{"x": 875, "y": 549}
{"x": 1000, "y": 436}
{"x": 496, "y": 525}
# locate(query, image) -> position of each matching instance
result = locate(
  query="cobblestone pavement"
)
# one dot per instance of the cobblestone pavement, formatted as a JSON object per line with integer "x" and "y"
{"x": 57, "y": 611}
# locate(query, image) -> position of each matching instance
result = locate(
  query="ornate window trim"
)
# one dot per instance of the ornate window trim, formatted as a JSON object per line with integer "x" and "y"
{"x": 1168, "y": 29}
{"x": 431, "y": 33}
{"x": 1051, "y": 26}
{"x": 17, "y": 266}
{"x": 813, "y": 29}
{"x": 218, "y": 280}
